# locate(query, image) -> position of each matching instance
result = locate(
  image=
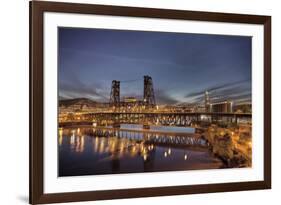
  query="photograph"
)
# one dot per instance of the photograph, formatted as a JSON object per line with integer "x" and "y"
{"x": 131, "y": 101}
{"x": 145, "y": 101}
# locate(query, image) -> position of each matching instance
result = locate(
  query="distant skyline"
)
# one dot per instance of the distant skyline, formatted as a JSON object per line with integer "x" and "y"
{"x": 182, "y": 66}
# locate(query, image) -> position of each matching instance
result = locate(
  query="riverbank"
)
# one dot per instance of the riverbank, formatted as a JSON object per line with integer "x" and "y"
{"x": 232, "y": 145}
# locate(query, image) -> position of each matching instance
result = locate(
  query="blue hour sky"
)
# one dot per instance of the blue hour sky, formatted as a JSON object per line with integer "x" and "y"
{"x": 182, "y": 66}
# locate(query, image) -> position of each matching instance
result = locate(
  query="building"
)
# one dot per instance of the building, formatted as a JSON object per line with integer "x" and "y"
{"x": 201, "y": 108}
{"x": 222, "y": 107}
{"x": 130, "y": 104}
{"x": 130, "y": 100}
{"x": 243, "y": 108}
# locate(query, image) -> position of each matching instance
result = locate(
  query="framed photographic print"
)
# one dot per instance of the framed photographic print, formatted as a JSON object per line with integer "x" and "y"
{"x": 139, "y": 102}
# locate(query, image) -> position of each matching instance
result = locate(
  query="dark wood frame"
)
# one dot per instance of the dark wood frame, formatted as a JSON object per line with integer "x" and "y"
{"x": 37, "y": 9}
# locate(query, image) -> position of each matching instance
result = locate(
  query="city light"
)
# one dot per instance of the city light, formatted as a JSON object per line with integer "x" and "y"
{"x": 169, "y": 151}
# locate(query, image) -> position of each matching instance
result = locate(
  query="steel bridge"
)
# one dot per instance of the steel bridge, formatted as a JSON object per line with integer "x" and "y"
{"x": 147, "y": 119}
{"x": 157, "y": 118}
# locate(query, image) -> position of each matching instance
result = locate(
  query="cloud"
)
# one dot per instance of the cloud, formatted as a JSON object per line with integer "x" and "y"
{"x": 77, "y": 89}
{"x": 236, "y": 91}
{"x": 216, "y": 87}
{"x": 163, "y": 98}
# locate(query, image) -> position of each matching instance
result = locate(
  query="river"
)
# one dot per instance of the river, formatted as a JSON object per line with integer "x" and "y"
{"x": 131, "y": 149}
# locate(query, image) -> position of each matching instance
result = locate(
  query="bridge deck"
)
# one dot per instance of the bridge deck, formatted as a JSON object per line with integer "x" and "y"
{"x": 173, "y": 113}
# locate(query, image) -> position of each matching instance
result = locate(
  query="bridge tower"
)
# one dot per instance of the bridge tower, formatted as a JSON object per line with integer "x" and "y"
{"x": 115, "y": 93}
{"x": 148, "y": 92}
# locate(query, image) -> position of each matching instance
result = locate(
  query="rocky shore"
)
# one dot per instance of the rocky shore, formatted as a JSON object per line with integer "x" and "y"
{"x": 232, "y": 145}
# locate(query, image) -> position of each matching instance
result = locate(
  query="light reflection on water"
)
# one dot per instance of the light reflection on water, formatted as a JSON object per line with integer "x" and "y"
{"x": 84, "y": 151}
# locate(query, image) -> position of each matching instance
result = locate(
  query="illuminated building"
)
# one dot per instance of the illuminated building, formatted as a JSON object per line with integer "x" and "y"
{"x": 207, "y": 102}
{"x": 222, "y": 107}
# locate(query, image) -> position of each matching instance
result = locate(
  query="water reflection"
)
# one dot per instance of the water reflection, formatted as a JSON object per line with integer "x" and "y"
{"x": 89, "y": 151}
{"x": 60, "y": 136}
